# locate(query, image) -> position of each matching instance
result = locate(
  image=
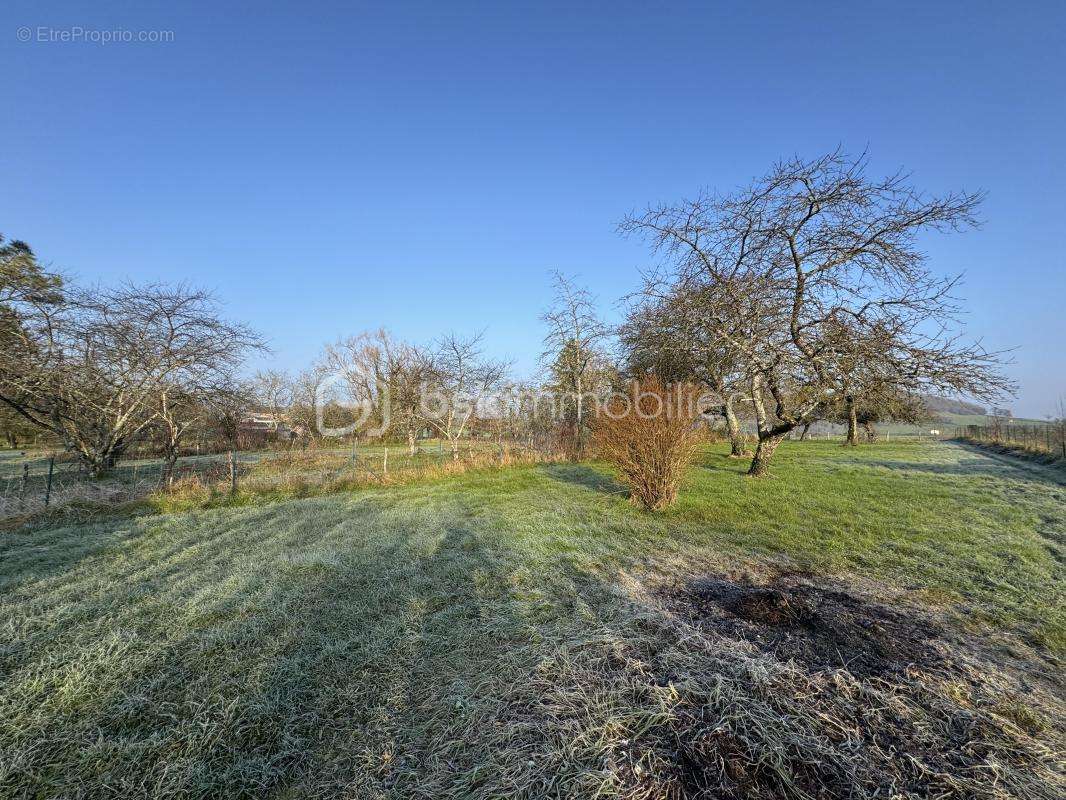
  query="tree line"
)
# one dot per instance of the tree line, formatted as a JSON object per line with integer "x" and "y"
{"x": 802, "y": 297}
{"x": 101, "y": 369}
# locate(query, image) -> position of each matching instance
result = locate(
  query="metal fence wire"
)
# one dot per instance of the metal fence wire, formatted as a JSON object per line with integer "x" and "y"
{"x": 32, "y": 481}
{"x": 1048, "y": 438}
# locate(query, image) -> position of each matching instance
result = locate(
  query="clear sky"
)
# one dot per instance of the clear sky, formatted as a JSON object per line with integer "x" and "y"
{"x": 331, "y": 167}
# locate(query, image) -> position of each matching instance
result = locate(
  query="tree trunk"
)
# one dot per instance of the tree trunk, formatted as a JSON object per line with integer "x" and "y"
{"x": 805, "y": 434}
{"x": 411, "y": 441}
{"x": 580, "y": 419}
{"x": 871, "y": 431}
{"x": 760, "y": 464}
{"x": 96, "y": 466}
{"x": 853, "y": 425}
{"x": 99, "y": 459}
{"x": 166, "y": 475}
{"x": 732, "y": 424}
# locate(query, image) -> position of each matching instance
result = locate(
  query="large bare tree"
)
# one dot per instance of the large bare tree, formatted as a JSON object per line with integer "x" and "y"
{"x": 91, "y": 368}
{"x": 811, "y": 249}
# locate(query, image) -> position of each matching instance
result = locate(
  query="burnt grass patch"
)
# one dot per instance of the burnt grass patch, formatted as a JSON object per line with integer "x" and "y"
{"x": 782, "y": 685}
{"x": 818, "y": 627}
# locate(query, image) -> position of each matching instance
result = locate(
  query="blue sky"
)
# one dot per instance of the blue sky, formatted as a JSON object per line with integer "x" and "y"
{"x": 332, "y": 167}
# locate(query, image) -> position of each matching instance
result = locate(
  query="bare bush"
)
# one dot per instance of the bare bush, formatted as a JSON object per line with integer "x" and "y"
{"x": 650, "y": 435}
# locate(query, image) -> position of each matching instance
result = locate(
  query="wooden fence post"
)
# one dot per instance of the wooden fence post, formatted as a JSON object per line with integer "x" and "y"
{"x": 48, "y": 486}
{"x": 232, "y": 473}
{"x": 385, "y": 462}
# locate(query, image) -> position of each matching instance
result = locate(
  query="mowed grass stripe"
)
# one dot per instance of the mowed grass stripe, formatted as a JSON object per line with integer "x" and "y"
{"x": 369, "y": 643}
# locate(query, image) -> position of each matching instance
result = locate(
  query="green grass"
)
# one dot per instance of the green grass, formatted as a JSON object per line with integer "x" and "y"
{"x": 437, "y": 639}
{"x": 952, "y": 521}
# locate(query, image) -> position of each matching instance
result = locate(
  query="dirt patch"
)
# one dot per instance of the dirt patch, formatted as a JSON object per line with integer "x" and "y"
{"x": 821, "y": 628}
{"x": 766, "y": 683}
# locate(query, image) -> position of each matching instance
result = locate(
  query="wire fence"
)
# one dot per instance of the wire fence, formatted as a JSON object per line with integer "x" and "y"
{"x": 31, "y": 482}
{"x": 1046, "y": 438}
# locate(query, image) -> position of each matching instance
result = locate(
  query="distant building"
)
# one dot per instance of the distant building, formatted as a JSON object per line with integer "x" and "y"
{"x": 262, "y": 428}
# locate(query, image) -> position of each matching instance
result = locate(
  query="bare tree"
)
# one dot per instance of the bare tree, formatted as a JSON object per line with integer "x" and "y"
{"x": 385, "y": 373}
{"x": 364, "y": 361}
{"x": 870, "y": 387}
{"x": 407, "y": 376}
{"x": 457, "y": 376}
{"x": 90, "y": 369}
{"x": 573, "y": 345}
{"x": 176, "y": 411}
{"x": 812, "y": 248}
{"x": 667, "y": 332}
{"x": 226, "y": 404}
{"x": 302, "y": 413}
{"x": 274, "y": 392}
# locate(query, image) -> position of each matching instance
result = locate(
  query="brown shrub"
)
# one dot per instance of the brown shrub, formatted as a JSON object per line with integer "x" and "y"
{"x": 651, "y": 435}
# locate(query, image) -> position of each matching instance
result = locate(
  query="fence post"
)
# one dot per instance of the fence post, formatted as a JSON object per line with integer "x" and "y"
{"x": 48, "y": 486}
{"x": 385, "y": 462}
{"x": 25, "y": 482}
{"x": 232, "y": 473}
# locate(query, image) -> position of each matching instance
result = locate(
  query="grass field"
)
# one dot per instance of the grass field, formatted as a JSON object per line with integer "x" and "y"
{"x": 526, "y": 632}
{"x": 24, "y": 474}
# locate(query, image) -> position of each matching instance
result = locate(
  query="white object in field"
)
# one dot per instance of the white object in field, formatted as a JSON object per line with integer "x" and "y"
{"x": 934, "y": 432}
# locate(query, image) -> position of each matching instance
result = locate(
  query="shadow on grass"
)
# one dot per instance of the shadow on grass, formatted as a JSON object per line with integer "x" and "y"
{"x": 384, "y": 648}
{"x": 982, "y": 464}
{"x": 586, "y": 477}
{"x": 42, "y": 555}
{"x": 723, "y": 462}
{"x": 308, "y": 667}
